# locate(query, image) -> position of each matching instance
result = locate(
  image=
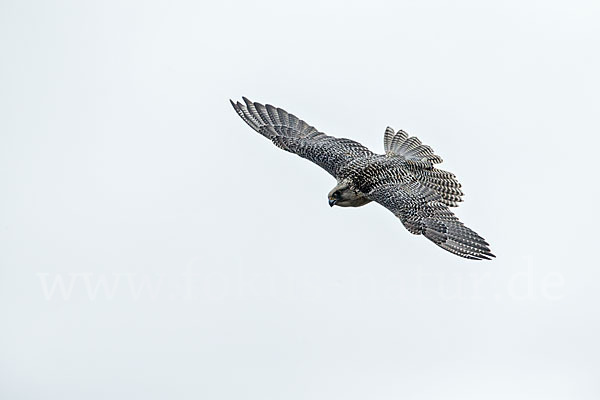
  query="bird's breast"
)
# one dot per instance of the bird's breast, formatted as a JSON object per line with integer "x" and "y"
{"x": 367, "y": 172}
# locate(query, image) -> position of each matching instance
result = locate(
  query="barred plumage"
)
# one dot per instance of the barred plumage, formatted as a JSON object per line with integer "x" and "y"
{"x": 404, "y": 180}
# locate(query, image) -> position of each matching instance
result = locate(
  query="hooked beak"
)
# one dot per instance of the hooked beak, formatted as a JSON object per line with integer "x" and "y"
{"x": 331, "y": 202}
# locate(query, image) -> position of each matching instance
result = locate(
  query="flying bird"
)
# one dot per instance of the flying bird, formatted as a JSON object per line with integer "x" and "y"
{"x": 404, "y": 179}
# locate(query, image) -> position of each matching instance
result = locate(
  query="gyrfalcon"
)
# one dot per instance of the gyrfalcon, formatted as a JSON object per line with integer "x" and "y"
{"x": 404, "y": 179}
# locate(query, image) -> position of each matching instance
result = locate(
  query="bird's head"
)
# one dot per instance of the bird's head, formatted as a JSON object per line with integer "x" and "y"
{"x": 344, "y": 195}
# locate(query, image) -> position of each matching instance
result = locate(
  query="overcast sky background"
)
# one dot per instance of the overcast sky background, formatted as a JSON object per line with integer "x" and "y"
{"x": 199, "y": 261}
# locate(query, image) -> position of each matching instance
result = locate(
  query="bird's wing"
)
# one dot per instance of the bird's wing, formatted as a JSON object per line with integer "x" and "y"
{"x": 296, "y": 136}
{"x": 419, "y": 160}
{"x": 423, "y": 213}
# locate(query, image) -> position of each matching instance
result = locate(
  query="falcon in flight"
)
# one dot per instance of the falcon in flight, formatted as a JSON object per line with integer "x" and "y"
{"x": 404, "y": 179}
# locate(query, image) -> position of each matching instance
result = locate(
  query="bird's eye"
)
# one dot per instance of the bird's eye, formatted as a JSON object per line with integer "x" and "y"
{"x": 336, "y": 195}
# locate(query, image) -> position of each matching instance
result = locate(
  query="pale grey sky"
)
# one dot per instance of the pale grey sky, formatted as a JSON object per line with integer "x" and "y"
{"x": 199, "y": 261}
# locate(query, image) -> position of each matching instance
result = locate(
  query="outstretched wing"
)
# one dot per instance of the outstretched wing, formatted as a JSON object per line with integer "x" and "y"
{"x": 423, "y": 213}
{"x": 296, "y": 136}
{"x": 419, "y": 160}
